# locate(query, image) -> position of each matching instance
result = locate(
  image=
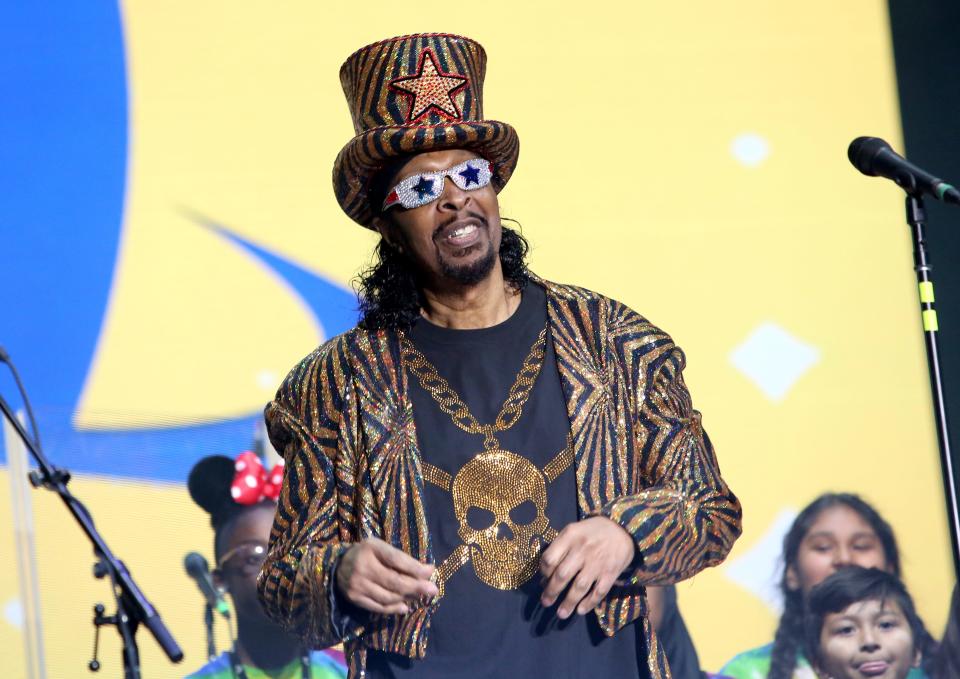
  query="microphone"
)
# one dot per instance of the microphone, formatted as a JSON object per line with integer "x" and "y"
{"x": 4, "y": 356}
{"x": 199, "y": 571}
{"x": 874, "y": 157}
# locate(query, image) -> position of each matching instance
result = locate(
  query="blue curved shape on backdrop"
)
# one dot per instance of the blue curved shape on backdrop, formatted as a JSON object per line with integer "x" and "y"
{"x": 64, "y": 126}
{"x": 333, "y": 306}
{"x": 64, "y": 129}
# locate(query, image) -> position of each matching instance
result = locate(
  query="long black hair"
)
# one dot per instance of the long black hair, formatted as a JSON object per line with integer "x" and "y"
{"x": 946, "y": 664}
{"x": 390, "y": 297}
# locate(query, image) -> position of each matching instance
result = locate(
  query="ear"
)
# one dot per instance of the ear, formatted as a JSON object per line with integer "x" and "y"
{"x": 792, "y": 579}
{"x": 389, "y": 233}
{"x": 917, "y": 657}
{"x": 380, "y": 225}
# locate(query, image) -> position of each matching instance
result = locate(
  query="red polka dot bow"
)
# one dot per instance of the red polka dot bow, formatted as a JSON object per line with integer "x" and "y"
{"x": 252, "y": 483}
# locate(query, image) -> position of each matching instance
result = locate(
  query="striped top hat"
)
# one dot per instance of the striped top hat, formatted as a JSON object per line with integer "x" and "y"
{"x": 412, "y": 94}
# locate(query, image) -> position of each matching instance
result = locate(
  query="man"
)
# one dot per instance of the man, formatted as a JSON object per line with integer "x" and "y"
{"x": 485, "y": 473}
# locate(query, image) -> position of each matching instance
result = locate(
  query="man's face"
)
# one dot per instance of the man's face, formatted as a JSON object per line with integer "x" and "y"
{"x": 454, "y": 239}
{"x": 867, "y": 639}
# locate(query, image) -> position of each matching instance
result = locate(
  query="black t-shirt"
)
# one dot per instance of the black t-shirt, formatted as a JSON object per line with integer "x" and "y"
{"x": 675, "y": 639}
{"x": 510, "y": 500}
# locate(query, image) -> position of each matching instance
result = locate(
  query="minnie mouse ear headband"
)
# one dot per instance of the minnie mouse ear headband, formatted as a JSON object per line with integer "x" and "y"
{"x": 252, "y": 483}
{"x": 412, "y": 94}
{"x": 221, "y": 486}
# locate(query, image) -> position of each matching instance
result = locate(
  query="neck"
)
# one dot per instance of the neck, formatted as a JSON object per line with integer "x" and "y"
{"x": 263, "y": 644}
{"x": 469, "y": 307}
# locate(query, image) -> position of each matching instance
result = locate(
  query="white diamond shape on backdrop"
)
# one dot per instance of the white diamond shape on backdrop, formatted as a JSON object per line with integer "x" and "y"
{"x": 267, "y": 379}
{"x": 774, "y": 359}
{"x": 13, "y": 613}
{"x": 749, "y": 149}
{"x": 757, "y": 570}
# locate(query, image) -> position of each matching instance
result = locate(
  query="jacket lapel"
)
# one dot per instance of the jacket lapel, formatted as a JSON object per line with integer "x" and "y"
{"x": 390, "y": 443}
{"x": 599, "y": 421}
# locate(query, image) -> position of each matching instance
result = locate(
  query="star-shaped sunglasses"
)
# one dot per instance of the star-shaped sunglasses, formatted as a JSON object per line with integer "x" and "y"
{"x": 420, "y": 189}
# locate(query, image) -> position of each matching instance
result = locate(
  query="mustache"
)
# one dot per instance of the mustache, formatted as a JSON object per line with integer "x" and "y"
{"x": 468, "y": 214}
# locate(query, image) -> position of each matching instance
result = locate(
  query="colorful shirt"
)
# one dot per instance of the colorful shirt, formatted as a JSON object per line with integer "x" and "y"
{"x": 343, "y": 421}
{"x": 755, "y": 664}
{"x": 323, "y": 665}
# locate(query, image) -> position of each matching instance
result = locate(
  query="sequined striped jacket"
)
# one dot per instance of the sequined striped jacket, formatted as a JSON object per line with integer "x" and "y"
{"x": 344, "y": 424}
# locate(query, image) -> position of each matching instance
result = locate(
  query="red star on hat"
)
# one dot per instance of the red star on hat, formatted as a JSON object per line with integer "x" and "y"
{"x": 430, "y": 88}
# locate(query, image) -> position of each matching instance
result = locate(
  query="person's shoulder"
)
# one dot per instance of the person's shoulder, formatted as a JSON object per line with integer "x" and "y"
{"x": 591, "y": 301}
{"x": 218, "y": 668}
{"x": 751, "y": 664}
{"x": 336, "y": 346}
{"x": 585, "y": 308}
{"x": 330, "y": 362}
{"x": 323, "y": 373}
{"x": 328, "y": 664}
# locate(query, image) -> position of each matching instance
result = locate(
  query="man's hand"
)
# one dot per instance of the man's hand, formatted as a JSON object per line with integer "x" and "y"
{"x": 381, "y": 578}
{"x": 592, "y": 554}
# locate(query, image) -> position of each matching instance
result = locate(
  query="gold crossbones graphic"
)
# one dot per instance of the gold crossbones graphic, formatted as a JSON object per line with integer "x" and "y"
{"x": 500, "y": 501}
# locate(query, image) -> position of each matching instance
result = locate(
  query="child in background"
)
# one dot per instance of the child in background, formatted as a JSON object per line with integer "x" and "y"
{"x": 861, "y": 622}
{"x": 241, "y": 499}
{"x": 834, "y": 531}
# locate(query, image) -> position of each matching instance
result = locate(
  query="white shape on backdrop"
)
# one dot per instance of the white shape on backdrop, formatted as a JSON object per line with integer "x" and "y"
{"x": 267, "y": 379}
{"x": 13, "y": 612}
{"x": 749, "y": 149}
{"x": 773, "y": 359}
{"x": 758, "y": 569}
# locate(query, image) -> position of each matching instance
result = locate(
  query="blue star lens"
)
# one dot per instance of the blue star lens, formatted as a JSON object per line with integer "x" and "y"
{"x": 424, "y": 187}
{"x": 471, "y": 175}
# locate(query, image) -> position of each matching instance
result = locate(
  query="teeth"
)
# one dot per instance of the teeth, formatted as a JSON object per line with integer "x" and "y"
{"x": 463, "y": 230}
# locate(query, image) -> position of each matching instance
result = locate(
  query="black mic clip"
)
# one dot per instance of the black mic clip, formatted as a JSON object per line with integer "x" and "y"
{"x": 57, "y": 477}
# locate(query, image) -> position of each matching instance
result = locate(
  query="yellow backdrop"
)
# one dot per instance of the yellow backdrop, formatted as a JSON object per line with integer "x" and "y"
{"x": 686, "y": 158}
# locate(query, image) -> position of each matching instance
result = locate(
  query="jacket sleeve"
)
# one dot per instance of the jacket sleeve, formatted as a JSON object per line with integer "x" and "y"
{"x": 686, "y": 518}
{"x": 311, "y": 424}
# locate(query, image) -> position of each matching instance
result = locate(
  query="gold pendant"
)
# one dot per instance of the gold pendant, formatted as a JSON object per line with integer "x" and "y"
{"x": 500, "y": 501}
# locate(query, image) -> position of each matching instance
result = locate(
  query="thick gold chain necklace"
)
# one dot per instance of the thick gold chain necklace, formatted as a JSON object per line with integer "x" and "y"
{"x": 450, "y": 402}
{"x": 504, "y": 550}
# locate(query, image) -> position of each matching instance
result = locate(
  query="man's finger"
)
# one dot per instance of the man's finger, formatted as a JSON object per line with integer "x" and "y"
{"x": 401, "y": 584}
{"x": 600, "y": 590}
{"x": 372, "y": 606}
{"x": 380, "y": 595}
{"x": 554, "y": 554}
{"x": 565, "y": 571}
{"x": 578, "y": 590}
{"x": 399, "y": 560}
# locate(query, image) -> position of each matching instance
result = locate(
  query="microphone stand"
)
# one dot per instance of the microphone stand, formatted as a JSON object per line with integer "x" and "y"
{"x": 208, "y": 623}
{"x": 133, "y": 608}
{"x": 949, "y": 462}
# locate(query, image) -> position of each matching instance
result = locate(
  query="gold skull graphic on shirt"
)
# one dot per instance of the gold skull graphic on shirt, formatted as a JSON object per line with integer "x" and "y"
{"x": 499, "y": 497}
{"x": 500, "y": 501}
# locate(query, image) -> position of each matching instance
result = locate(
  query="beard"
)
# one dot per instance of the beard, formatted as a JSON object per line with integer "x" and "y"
{"x": 473, "y": 273}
